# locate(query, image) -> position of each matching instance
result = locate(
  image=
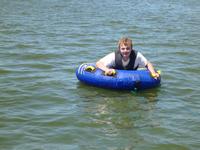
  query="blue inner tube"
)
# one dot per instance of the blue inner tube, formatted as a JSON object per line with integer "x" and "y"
{"x": 122, "y": 80}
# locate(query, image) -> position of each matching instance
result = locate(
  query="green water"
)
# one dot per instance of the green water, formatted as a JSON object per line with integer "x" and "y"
{"x": 44, "y": 107}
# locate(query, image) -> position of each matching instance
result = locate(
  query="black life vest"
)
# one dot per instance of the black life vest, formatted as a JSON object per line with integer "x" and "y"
{"x": 130, "y": 66}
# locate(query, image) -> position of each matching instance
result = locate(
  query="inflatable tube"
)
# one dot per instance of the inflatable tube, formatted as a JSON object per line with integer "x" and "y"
{"x": 122, "y": 80}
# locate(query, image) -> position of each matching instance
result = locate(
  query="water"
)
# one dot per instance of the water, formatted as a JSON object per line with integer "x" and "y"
{"x": 44, "y": 107}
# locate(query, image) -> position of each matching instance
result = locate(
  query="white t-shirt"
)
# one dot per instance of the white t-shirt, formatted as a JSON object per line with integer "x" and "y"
{"x": 109, "y": 60}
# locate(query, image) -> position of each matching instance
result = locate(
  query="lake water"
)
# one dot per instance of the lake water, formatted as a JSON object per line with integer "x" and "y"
{"x": 44, "y": 107}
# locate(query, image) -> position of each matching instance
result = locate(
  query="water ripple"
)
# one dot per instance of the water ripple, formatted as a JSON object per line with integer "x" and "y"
{"x": 42, "y": 103}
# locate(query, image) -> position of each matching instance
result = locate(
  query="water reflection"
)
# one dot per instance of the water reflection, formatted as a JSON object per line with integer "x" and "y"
{"x": 150, "y": 95}
{"x": 119, "y": 109}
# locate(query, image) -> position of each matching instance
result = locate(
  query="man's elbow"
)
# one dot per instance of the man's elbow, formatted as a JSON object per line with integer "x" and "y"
{"x": 148, "y": 64}
{"x": 98, "y": 64}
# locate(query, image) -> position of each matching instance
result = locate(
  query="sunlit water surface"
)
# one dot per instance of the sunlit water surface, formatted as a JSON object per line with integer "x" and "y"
{"x": 44, "y": 107}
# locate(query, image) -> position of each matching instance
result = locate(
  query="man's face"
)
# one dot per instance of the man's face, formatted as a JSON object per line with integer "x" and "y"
{"x": 125, "y": 51}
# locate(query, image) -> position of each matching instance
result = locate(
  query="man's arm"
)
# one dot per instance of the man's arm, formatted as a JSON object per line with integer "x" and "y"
{"x": 150, "y": 67}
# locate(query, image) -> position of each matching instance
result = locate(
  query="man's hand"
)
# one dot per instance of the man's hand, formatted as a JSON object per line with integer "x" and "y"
{"x": 155, "y": 75}
{"x": 110, "y": 72}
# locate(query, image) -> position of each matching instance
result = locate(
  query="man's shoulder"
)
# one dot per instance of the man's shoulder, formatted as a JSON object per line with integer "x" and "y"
{"x": 112, "y": 54}
{"x": 139, "y": 54}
